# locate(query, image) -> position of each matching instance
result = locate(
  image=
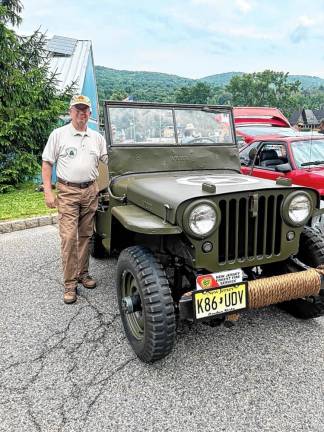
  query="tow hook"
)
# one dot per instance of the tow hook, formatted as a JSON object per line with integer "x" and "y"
{"x": 131, "y": 304}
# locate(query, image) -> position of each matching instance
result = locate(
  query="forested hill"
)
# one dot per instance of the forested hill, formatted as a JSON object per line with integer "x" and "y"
{"x": 149, "y": 86}
{"x": 153, "y": 86}
{"x": 307, "y": 82}
{"x": 221, "y": 79}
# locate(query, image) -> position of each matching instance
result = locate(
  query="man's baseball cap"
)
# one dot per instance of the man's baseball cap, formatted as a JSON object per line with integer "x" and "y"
{"x": 80, "y": 100}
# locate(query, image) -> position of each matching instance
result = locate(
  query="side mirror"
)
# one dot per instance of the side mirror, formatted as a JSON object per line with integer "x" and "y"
{"x": 284, "y": 168}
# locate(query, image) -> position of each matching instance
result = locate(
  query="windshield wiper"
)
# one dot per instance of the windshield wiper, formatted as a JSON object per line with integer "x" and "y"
{"x": 317, "y": 162}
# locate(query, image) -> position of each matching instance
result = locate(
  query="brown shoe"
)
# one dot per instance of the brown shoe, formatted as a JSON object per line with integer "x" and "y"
{"x": 87, "y": 281}
{"x": 70, "y": 294}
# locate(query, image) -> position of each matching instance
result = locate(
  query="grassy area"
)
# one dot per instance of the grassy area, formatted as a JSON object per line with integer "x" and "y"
{"x": 22, "y": 203}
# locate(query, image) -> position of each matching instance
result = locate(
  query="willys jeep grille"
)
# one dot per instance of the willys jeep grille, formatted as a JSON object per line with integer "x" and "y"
{"x": 250, "y": 228}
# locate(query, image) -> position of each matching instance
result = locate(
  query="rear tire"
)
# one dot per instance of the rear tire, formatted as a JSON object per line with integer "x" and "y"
{"x": 97, "y": 249}
{"x": 151, "y": 328}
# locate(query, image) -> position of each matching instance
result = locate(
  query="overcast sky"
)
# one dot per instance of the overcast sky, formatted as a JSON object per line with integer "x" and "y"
{"x": 191, "y": 38}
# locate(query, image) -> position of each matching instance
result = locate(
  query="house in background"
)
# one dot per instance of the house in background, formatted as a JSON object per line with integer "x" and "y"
{"x": 72, "y": 62}
{"x": 310, "y": 118}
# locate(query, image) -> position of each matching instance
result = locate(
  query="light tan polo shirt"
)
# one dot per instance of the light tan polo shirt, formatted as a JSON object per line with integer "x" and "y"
{"x": 75, "y": 153}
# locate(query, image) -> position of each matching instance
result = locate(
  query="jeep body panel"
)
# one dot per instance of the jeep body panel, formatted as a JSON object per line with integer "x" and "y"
{"x": 123, "y": 160}
{"x": 138, "y": 220}
{"x": 243, "y": 239}
{"x": 155, "y": 191}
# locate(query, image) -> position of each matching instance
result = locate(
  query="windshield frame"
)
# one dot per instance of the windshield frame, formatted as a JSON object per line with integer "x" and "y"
{"x": 216, "y": 109}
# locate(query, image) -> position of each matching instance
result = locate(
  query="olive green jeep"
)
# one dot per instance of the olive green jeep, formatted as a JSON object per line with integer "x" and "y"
{"x": 197, "y": 240}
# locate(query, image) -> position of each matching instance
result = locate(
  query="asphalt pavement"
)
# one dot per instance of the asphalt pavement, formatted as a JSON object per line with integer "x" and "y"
{"x": 70, "y": 368}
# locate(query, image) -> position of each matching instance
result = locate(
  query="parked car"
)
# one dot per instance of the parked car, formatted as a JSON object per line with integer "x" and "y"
{"x": 255, "y": 125}
{"x": 252, "y": 121}
{"x": 299, "y": 158}
{"x": 195, "y": 238}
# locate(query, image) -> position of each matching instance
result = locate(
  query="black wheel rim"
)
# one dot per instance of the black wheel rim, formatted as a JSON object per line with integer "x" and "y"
{"x": 134, "y": 320}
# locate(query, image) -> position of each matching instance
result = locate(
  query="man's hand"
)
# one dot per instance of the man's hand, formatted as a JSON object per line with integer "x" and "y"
{"x": 50, "y": 199}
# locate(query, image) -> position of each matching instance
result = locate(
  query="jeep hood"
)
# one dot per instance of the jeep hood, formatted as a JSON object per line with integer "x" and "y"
{"x": 157, "y": 191}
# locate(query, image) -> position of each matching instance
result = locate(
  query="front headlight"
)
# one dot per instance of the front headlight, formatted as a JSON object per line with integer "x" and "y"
{"x": 299, "y": 209}
{"x": 202, "y": 220}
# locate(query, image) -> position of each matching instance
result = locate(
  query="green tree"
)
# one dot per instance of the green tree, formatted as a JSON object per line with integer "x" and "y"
{"x": 313, "y": 98}
{"x": 196, "y": 94}
{"x": 267, "y": 88}
{"x": 29, "y": 102}
{"x": 118, "y": 95}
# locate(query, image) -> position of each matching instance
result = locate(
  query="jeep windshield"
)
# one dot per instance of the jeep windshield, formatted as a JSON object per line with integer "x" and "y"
{"x": 308, "y": 152}
{"x": 168, "y": 126}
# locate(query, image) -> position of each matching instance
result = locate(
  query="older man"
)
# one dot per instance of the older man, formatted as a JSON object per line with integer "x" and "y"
{"x": 76, "y": 150}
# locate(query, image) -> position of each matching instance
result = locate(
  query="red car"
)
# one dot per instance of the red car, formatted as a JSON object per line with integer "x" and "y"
{"x": 271, "y": 148}
{"x": 252, "y": 121}
{"x": 298, "y": 156}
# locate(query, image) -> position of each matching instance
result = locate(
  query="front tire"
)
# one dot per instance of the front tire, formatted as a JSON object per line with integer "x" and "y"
{"x": 151, "y": 328}
{"x": 311, "y": 253}
{"x": 311, "y": 247}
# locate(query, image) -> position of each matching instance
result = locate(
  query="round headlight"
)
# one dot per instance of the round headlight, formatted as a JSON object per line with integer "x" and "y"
{"x": 202, "y": 220}
{"x": 300, "y": 208}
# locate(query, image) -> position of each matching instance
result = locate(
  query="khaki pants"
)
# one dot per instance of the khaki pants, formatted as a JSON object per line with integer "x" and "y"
{"x": 76, "y": 209}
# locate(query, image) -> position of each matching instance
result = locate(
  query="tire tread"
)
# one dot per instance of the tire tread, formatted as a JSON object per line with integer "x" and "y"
{"x": 160, "y": 328}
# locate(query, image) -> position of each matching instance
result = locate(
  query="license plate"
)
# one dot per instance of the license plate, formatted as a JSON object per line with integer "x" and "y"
{"x": 219, "y": 301}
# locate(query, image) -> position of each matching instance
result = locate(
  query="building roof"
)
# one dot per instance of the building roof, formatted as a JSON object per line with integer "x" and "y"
{"x": 296, "y": 117}
{"x": 310, "y": 117}
{"x": 319, "y": 114}
{"x": 69, "y": 60}
{"x": 307, "y": 116}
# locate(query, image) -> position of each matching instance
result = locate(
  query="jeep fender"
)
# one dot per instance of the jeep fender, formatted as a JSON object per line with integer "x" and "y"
{"x": 138, "y": 220}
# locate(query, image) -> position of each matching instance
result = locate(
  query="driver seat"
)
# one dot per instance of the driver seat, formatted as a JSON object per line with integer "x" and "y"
{"x": 269, "y": 158}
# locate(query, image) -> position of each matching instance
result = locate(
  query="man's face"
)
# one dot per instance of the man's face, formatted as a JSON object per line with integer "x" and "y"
{"x": 80, "y": 115}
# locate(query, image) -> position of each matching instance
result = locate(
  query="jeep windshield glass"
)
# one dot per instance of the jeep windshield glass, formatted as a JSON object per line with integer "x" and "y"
{"x": 203, "y": 127}
{"x": 308, "y": 152}
{"x": 165, "y": 126}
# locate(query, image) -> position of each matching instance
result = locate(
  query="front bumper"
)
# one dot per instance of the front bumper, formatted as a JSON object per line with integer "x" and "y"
{"x": 270, "y": 290}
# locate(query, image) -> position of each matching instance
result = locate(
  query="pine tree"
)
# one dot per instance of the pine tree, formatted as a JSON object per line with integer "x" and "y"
{"x": 29, "y": 102}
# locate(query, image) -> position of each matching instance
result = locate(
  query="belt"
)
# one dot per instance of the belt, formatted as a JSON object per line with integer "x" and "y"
{"x": 82, "y": 185}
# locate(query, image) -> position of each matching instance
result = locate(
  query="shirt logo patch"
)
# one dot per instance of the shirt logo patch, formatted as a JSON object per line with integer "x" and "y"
{"x": 71, "y": 152}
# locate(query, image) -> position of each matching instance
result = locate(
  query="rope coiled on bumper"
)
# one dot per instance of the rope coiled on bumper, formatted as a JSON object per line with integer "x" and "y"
{"x": 277, "y": 289}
